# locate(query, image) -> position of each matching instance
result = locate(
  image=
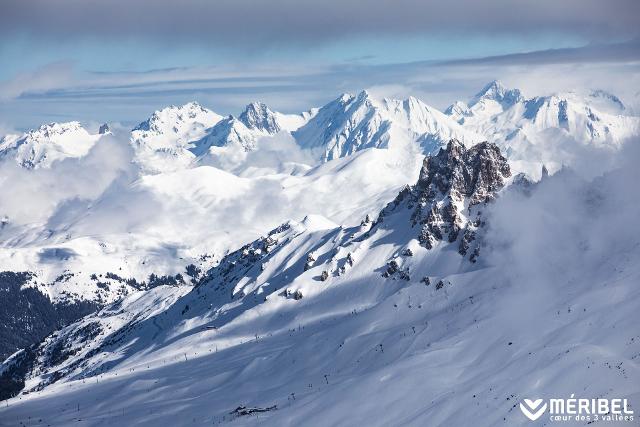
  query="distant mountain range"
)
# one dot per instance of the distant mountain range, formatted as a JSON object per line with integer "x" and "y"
{"x": 175, "y": 138}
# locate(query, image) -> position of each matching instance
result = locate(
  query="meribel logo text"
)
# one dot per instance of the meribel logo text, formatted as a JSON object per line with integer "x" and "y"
{"x": 574, "y": 409}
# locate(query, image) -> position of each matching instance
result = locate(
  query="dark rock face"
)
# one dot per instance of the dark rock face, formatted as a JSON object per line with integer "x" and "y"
{"x": 475, "y": 173}
{"x": 104, "y": 128}
{"x": 453, "y": 186}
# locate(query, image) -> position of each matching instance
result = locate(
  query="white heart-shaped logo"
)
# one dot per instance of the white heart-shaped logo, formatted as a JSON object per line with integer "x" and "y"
{"x": 531, "y": 410}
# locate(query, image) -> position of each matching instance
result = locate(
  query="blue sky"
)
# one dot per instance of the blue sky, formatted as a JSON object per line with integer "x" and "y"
{"x": 119, "y": 60}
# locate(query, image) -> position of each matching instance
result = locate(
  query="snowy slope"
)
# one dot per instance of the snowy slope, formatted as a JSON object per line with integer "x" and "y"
{"x": 546, "y": 130}
{"x": 351, "y": 123}
{"x": 47, "y": 144}
{"x": 316, "y": 324}
{"x": 458, "y": 176}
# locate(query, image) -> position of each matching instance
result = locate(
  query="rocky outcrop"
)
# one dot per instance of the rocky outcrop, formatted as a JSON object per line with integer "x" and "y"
{"x": 104, "y": 129}
{"x": 447, "y": 200}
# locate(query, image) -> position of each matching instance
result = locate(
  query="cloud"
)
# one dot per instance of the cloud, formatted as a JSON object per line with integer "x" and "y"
{"x": 255, "y": 24}
{"x": 566, "y": 227}
{"x": 6, "y": 129}
{"x": 615, "y": 52}
{"x": 57, "y": 195}
{"x": 51, "y": 76}
{"x": 273, "y": 154}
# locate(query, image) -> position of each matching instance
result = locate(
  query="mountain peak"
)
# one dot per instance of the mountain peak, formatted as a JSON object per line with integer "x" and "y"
{"x": 173, "y": 117}
{"x": 474, "y": 172}
{"x": 457, "y": 174}
{"x": 258, "y": 116}
{"x": 192, "y": 104}
{"x": 342, "y": 99}
{"x": 349, "y": 98}
{"x": 54, "y": 128}
{"x": 496, "y": 91}
{"x": 447, "y": 197}
{"x": 353, "y": 123}
{"x": 493, "y": 87}
{"x": 458, "y": 111}
{"x": 364, "y": 94}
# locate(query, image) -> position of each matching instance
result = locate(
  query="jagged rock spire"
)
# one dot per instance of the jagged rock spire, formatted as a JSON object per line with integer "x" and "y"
{"x": 451, "y": 188}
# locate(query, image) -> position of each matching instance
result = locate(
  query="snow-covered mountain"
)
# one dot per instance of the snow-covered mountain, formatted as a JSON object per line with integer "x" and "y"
{"x": 175, "y": 126}
{"x": 259, "y": 117}
{"x": 375, "y": 145}
{"x": 177, "y": 138}
{"x": 390, "y": 322}
{"x": 531, "y": 131}
{"x": 162, "y": 141}
{"x": 545, "y": 129}
{"x": 447, "y": 202}
{"x": 255, "y": 122}
{"x": 47, "y": 144}
{"x": 356, "y": 122}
